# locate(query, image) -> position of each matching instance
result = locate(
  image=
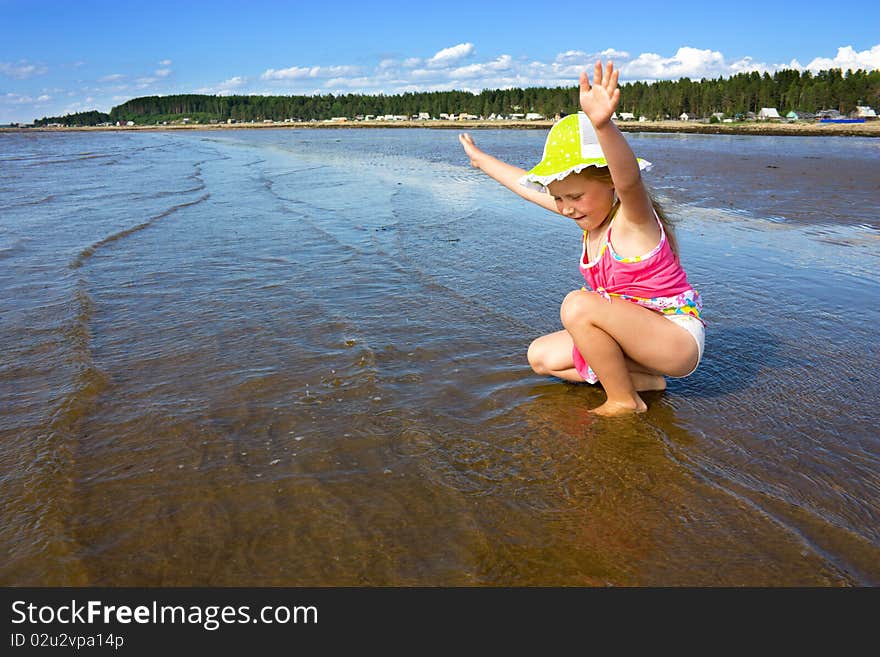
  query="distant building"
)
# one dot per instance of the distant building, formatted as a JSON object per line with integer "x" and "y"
{"x": 534, "y": 116}
{"x": 768, "y": 113}
{"x": 828, "y": 114}
{"x": 627, "y": 116}
{"x": 863, "y": 112}
{"x": 684, "y": 116}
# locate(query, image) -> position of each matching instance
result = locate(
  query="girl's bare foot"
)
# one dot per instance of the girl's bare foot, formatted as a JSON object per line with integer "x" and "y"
{"x": 644, "y": 382}
{"x": 621, "y": 407}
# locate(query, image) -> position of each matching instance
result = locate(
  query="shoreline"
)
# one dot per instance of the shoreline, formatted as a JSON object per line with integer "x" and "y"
{"x": 805, "y": 129}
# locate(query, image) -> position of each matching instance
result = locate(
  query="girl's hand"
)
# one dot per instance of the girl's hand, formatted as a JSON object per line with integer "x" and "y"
{"x": 600, "y": 100}
{"x": 470, "y": 149}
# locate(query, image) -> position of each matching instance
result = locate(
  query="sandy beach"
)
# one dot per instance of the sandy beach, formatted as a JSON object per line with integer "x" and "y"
{"x": 798, "y": 128}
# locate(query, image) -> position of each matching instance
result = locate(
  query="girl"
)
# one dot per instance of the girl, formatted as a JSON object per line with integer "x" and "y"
{"x": 640, "y": 320}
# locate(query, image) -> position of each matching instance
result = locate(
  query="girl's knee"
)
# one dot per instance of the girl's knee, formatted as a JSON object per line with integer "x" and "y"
{"x": 578, "y": 308}
{"x": 537, "y": 356}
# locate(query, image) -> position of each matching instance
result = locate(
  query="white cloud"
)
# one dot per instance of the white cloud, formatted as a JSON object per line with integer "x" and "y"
{"x": 111, "y": 78}
{"x": 502, "y": 63}
{"x": 301, "y": 72}
{"x": 22, "y": 70}
{"x": 586, "y": 59}
{"x": 225, "y": 88}
{"x": 165, "y": 63}
{"x": 611, "y": 53}
{"x": 572, "y": 57}
{"x": 292, "y": 73}
{"x": 687, "y": 62}
{"x": 453, "y": 54}
{"x": 162, "y": 72}
{"x": 848, "y": 58}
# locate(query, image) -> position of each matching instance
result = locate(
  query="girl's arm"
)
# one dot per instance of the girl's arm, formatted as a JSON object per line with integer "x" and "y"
{"x": 599, "y": 102}
{"x": 506, "y": 174}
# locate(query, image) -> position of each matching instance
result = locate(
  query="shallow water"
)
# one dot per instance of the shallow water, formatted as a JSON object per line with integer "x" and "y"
{"x": 297, "y": 357}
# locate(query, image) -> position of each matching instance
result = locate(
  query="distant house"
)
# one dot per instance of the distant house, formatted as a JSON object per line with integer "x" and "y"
{"x": 534, "y": 116}
{"x": 517, "y": 117}
{"x": 684, "y": 116}
{"x": 863, "y": 112}
{"x": 768, "y": 113}
{"x": 793, "y": 116}
{"x": 627, "y": 116}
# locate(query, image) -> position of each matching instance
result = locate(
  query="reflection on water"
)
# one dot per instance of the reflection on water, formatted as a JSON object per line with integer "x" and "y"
{"x": 297, "y": 358}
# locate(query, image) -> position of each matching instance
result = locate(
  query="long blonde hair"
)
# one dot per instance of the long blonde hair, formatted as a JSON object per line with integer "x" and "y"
{"x": 604, "y": 175}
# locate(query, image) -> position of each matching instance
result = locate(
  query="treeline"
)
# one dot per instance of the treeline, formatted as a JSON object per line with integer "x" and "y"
{"x": 748, "y": 92}
{"x": 79, "y": 119}
{"x": 745, "y": 92}
{"x": 256, "y": 108}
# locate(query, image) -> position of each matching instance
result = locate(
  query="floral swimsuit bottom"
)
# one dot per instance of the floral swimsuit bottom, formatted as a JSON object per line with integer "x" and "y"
{"x": 685, "y": 304}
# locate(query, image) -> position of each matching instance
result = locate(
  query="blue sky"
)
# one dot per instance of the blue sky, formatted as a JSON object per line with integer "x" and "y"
{"x": 61, "y": 57}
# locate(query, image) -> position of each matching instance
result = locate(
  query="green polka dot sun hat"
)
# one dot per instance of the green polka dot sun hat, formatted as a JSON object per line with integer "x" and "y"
{"x": 571, "y": 147}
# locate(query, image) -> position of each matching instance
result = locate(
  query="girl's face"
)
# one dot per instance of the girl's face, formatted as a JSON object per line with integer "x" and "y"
{"x": 584, "y": 199}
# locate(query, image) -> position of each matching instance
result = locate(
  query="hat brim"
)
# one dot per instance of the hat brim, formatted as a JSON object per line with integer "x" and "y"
{"x": 540, "y": 177}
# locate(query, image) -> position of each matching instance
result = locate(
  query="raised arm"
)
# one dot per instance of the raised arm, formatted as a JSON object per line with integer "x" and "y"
{"x": 506, "y": 174}
{"x": 598, "y": 101}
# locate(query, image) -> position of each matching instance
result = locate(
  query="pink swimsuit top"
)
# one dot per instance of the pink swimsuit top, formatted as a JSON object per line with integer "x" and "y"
{"x": 655, "y": 280}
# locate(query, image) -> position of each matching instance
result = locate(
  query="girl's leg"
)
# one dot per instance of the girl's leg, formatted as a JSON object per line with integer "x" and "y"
{"x": 550, "y": 355}
{"x": 606, "y": 333}
{"x": 644, "y": 378}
